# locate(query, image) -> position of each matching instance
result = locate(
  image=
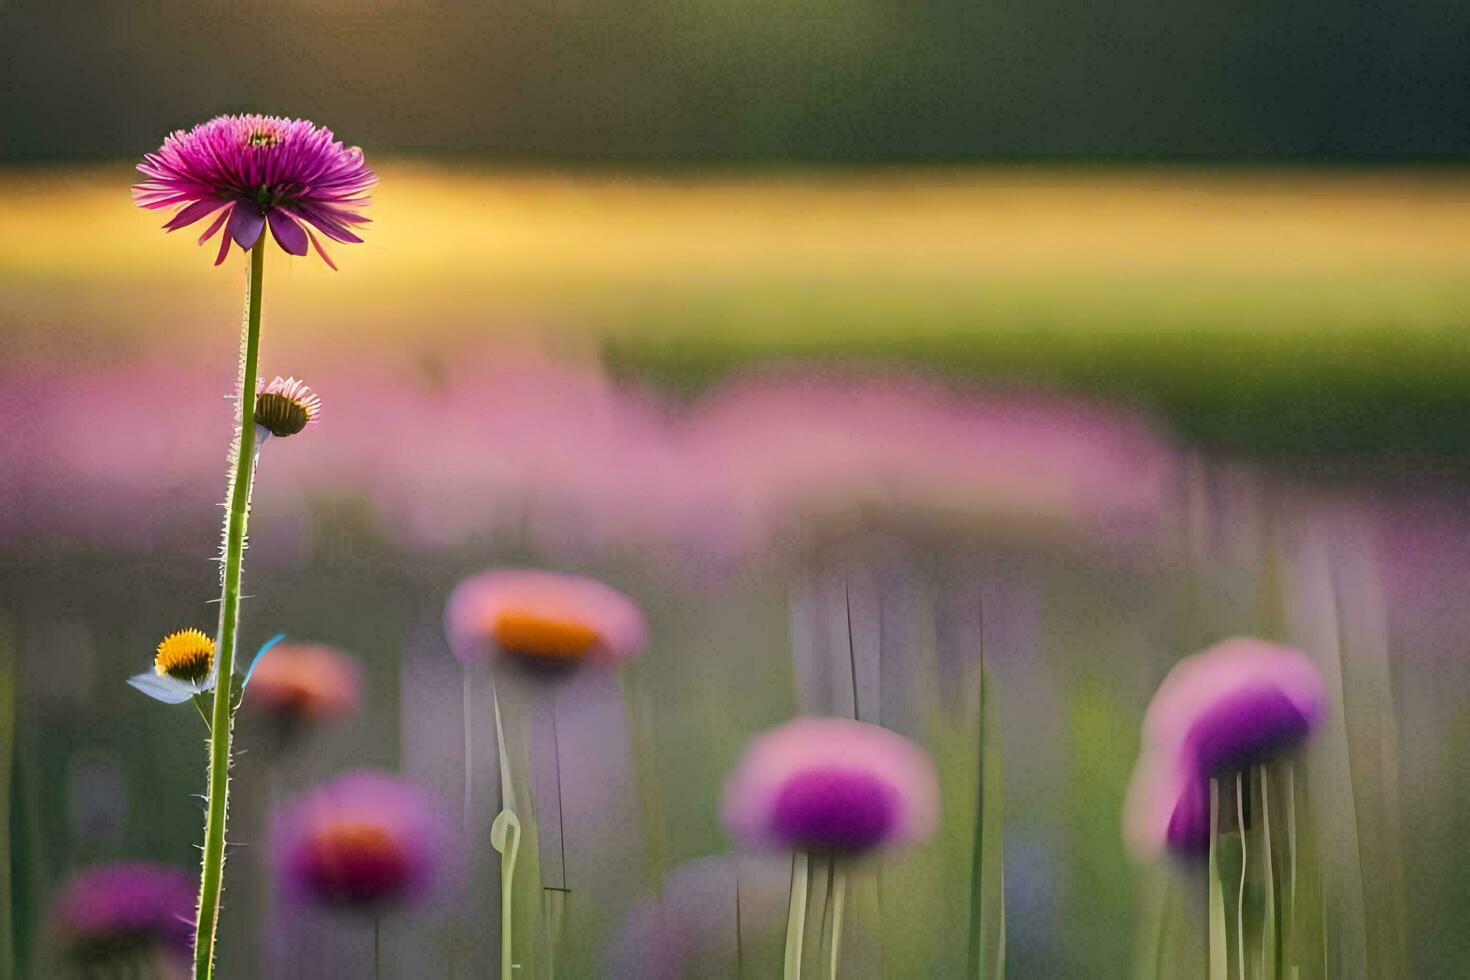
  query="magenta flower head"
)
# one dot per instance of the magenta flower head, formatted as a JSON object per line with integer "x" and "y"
{"x": 364, "y": 841}
{"x": 833, "y": 786}
{"x": 124, "y": 912}
{"x": 259, "y": 170}
{"x": 1238, "y": 704}
{"x": 542, "y": 618}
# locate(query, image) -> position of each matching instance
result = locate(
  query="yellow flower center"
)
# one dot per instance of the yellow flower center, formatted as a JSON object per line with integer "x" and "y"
{"x": 261, "y": 137}
{"x": 536, "y": 635}
{"x": 186, "y": 655}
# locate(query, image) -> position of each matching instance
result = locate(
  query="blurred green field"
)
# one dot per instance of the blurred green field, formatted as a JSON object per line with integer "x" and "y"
{"x": 1280, "y": 310}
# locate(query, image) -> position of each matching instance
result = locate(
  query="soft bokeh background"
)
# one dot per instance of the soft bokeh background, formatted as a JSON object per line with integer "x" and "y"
{"x": 1079, "y": 334}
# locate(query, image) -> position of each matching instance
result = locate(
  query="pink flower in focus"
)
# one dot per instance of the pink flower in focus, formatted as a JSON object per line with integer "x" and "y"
{"x": 542, "y": 616}
{"x": 831, "y": 785}
{"x": 259, "y": 170}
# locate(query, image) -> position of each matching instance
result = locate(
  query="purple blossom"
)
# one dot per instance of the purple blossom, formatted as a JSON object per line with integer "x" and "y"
{"x": 363, "y": 841}
{"x": 257, "y": 171}
{"x": 116, "y": 910}
{"x": 1238, "y": 704}
{"x": 831, "y": 785}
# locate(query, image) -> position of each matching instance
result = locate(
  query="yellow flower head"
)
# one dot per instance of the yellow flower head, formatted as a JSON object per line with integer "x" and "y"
{"x": 186, "y": 655}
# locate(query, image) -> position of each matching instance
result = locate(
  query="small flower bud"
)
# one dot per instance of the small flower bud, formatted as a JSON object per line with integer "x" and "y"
{"x": 286, "y": 406}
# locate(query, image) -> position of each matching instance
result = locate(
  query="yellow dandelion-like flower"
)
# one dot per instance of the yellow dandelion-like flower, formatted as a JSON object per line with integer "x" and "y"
{"x": 286, "y": 406}
{"x": 183, "y": 667}
{"x": 186, "y": 655}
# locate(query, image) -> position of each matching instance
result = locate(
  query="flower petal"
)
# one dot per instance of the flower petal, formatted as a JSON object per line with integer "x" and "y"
{"x": 287, "y": 233}
{"x": 224, "y": 245}
{"x": 164, "y": 689}
{"x": 214, "y": 227}
{"x": 321, "y": 251}
{"x": 193, "y": 213}
{"x": 246, "y": 224}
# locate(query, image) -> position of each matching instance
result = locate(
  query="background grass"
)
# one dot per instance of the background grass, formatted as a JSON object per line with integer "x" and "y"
{"x": 1280, "y": 310}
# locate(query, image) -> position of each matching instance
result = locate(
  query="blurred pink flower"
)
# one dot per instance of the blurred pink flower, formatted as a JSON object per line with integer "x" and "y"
{"x": 258, "y": 170}
{"x": 831, "y": 785}
{"x": 1237, "y": 704}
{"x": 116, "y": 911}
{"x": 364, "y": 841}
{"x": 545, "y": 616}
{"x": 307, "y": 683}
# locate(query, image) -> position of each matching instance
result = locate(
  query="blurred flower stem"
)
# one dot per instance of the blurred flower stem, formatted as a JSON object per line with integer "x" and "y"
{"x": 838, "y": 903}
{"x": 211, "y": 874}
{"x": 796, "y": 916}
{"x": 645, "y": 767}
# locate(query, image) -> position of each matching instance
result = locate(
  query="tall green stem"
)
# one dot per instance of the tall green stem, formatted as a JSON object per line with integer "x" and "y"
{"x": 211, "y": 875}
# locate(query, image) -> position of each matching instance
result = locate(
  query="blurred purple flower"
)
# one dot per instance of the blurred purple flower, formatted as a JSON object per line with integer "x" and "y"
{"x": 364, "y": 841}
{"x": 542, "y": 616}
{"x": 259, "y": 170}
{"x": 119, "y": 910}
{"x": 831, "y": 785}
{"x": 1238, "y": 704}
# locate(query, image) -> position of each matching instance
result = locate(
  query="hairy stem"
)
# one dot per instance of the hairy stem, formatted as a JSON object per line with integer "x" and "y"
{"x": 211, "y": 875}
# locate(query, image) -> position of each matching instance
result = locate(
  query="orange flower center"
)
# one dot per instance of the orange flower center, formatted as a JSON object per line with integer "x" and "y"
{"x": 353, "y": 840}
{"x": 537, "y": 635}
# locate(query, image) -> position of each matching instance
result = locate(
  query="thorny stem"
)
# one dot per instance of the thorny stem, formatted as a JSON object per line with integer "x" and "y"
{"x": 211, "y": 876}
